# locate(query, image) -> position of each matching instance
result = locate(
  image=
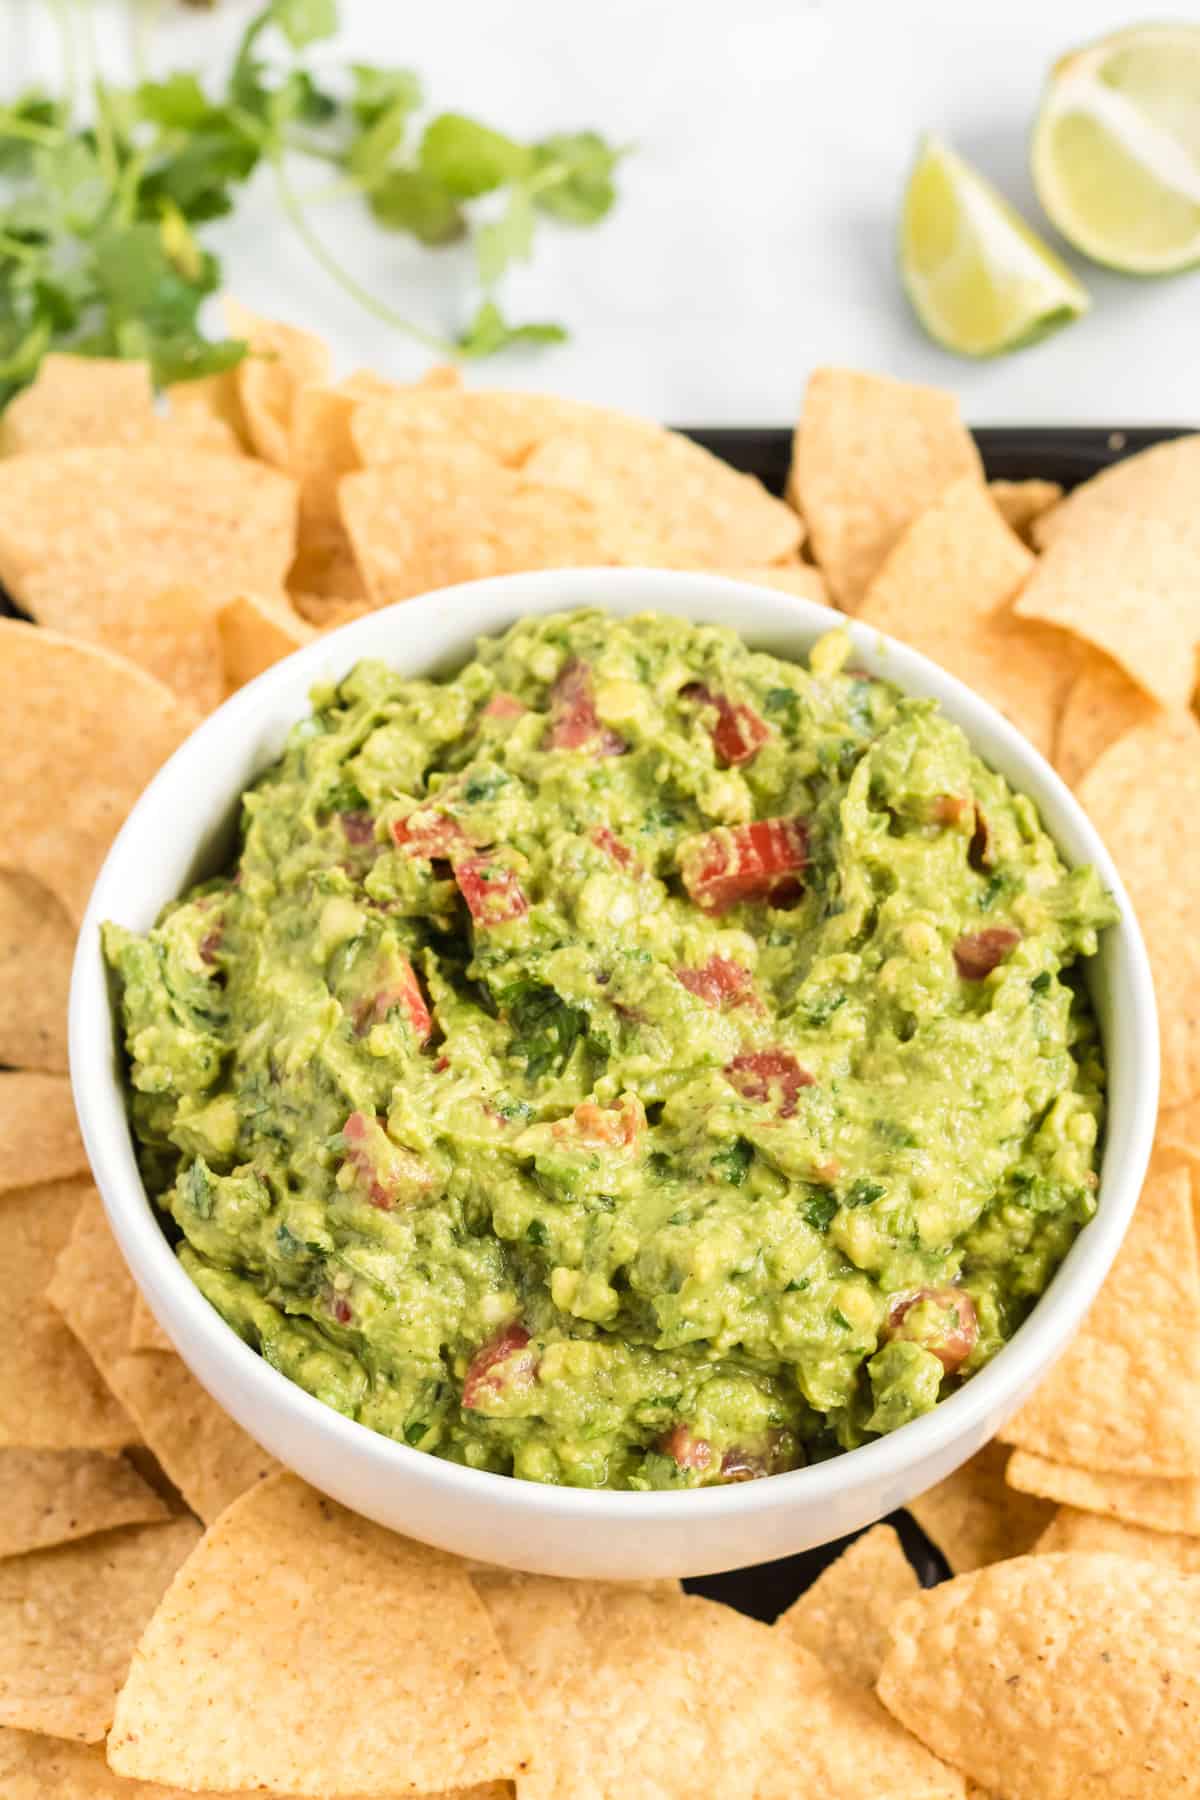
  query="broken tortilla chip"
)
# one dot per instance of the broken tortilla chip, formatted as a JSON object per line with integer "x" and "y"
{"x": 54, "y": 1496}
{"x": 87, "y": 731}
{"x": 1142, "y": 795}
{"x": 1131, "y": 588}
{"x": 845, "y": 1617}
{"x": 77, "y": 401}
{"x": 1100, "y": 706}
{"x": 37, "y": 943}
{"x": 70, "y": 1619}
{"x": 946, "y": 588}
{"x": 39, "y": 1134}
{"x": 1062, "y": 1677}
{"x": 424, "y": 1699}
{"x": 974, "y": 1517}
{"x": 52, "y": 1397}
{"x": 1158, "y": 1504}
{"x": 257, "y": 631}
{"x": 639, "y": 1693}
{"x": 870, "y": 456}
{"x": 282, "y": 360}
{"x": 210, "y": 1459}
{"x": 1093, "y": 1534}
{"x": 1019, "y": 503}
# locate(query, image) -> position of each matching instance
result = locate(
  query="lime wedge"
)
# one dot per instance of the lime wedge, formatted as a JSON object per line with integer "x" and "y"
{"x": 1116, "y": 149}
{"x": 980, "y": 280}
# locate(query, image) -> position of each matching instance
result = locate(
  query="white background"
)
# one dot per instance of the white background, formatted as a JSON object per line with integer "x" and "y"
{"x": 754, "y": 234}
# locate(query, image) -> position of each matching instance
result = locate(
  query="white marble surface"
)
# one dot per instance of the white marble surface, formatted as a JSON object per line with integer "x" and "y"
{"x": 754, "y": 236}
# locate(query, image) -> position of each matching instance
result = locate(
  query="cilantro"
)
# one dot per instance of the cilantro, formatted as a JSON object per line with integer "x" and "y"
{"x": 863, "y": 1191}
{"x": 573, "y": 177}
{"x": 545, "y": 1028}
{"x": 1040, "y": 983}
{"x": 998, "y": 886}
{"x": 470, "y": 159}
{"x": 797, "y": 1287}
{"x": 407, "y": 200}
{"x": 819, "y": 1209}
{"x": 783, "y": 703}
{"x": 733, "y": 1163}
{"x": 485, "y": 784}
{"x": 821, "y": 1008}
{"x": 414, "y": 1432}
{"x": 489, "y": 332}
{"x": 508, "y": 240}
{"x": 662, "y": 818}
{"x": 839, "y": 1318}
{"x": 536, "y": 1233}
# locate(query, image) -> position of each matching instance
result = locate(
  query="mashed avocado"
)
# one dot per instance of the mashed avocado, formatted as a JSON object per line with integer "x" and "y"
{"x": 635, "y": 1062}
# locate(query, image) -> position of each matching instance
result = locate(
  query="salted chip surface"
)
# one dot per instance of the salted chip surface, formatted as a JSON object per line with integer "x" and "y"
{"x": 1020, "y": 503}
{"x": 39, "y": 1135}
{"x": 947, "y": 586}
{"x": 845, "y": 1617}
{"x": 1073, "y": 1530}
{"x": 640, "y": 1694}
{"x": 282, "y": 361}
{"x": 1065, "y": 1677}
{"x": 53, "y": 1496}
{"x": 1160, "y": 483}
{"x": 870, "y": 456}
{"x": 1158, "y": 1503}
{"x": 87, "y": 731}
{"x": 1101, "y": 705}
{"x": 257, "y": 630}
{"x": 70, "y": 1618}
{"x": 372, "y": 1663}
{"x": 37, "y": 943}
{"x": 86, "y": 533}
{"x": 1125, "y": 1395}
{"x": 52, "y": 1396}
{"x": 210, "y": 1459}
{"x": 668, "y": 488}
{"x": 1142, "y": 795}
{"x": 974, "y": 1516}
{"x": 75, "y": 401}
{"x": 171, "y": 634}
{"x": 1127, "y": 586}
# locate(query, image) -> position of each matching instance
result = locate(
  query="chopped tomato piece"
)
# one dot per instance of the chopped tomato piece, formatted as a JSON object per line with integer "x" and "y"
{"x": 766, "y": 1074}
{"x": 684, "y": 1449}
{"x": 359, "y": 827}
{"x": 977, "y": 953}
{"x": 739, "y": 733}
{"x": 611, "y": 1126}
{"x": 942, "y": 1320}
{"x": 620, "y": 853}
{"x": 209, "y": 944}
{"x": 574, "y": 723}
{"x": 756, "y": 863}
{"x": 431, "y": 834}
{"x": 387, "y": 1172}
{"x": 340, "y": 1307}
{"x": 504, "y": 706}
{"x": 402, "y": 989}
{"x": 491, "y": 890}
{"x": 504, "y": 1362}
{"x": 720, "y": 980}
{"x": 950, "y": 809}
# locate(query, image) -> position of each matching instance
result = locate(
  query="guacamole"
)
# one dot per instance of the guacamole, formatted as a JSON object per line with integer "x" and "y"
{"x": 634, "y": 1062}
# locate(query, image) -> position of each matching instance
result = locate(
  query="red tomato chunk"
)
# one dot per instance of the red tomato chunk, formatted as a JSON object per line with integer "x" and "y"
{"x": 491, "y": 890}
{"x": 739, "y": 733}
{"x": 942, "y": 1320}
{"x": 755, "y": 863}
{"x": 718, "y": 981}
{"x": 574, "y": 724}
{"x": 766, "y": 1074}
{"x": 979, "y": 952}
{"x": 505, "y": 1362}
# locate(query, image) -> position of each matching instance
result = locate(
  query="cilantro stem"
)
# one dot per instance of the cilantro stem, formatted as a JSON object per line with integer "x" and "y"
{"x": 12, "y": 127}
{"x": 292, "y": 206}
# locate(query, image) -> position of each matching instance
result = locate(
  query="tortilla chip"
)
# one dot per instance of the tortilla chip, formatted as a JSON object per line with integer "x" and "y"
{"x": 39, "y": 1134}
{"x": 845, "y": 1617}
{"x": 325, "y": 612}
{"x": 870, "y": 456}
{"x": 1061, "y": 1677}
{"x": 171, "y": 634}
{"x": 641, "y": 1694}
{"x": 257, "y": 631}
{"x": 974, "y": 1517}
{"x": 1159, "y": 1505}
{"x": 33, "y": 1768}
{"x": 800, "y": 579}
{"x": 1143, "y": 795}
{"x": 52, "y": 1397}
{"x": 281, "y": 362}
{"x": 84, "y": 534}
{"x": 37, "y": 942}
{"x": 145, "y": 1332}
{"x": 208, "y": 404}
{"x": 668, "y": 490}
{"x": 69, "y": 1621}
{"x": 80, "y": 400}
{"x": 53, "y": 1496}
{"x": 286, "y": 1589}
{"x": 1129, "y": 587}
{"x": 1019, "y": 503}
{"x": 1089, "y": 1532}
{"x": 1124, "y": 1397}
{"x": 1100, "y": 706}
{"x": 1160, "y": 483}
{"x": 209, "y": 1458}
{"x": 946, "y": 588}
{"x": 87, "y": 730}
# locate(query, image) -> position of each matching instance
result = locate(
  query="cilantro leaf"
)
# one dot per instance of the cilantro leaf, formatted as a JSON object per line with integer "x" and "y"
{"x": 409, "y": 200}
{"x": 576, "y": 171}
{"x": 545, "y": 1028}
{"x": 489, "y": 332}
{"x": 470, "y": 159}
{"x": 179, "y": 103}
{"x": 378, "y": 91}
{"x": 303, "y": 22}
{"x": 509, "y": 239}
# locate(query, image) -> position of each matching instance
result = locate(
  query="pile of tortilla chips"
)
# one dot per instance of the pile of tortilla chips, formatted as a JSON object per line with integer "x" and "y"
{"x": 177, "y": 1614}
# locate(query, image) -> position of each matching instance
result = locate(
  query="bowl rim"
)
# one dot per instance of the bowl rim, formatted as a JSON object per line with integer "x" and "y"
{"x": 261, "y": 1390}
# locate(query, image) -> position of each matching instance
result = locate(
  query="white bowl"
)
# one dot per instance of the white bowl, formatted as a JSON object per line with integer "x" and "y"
{"x": 180, "y": 830}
